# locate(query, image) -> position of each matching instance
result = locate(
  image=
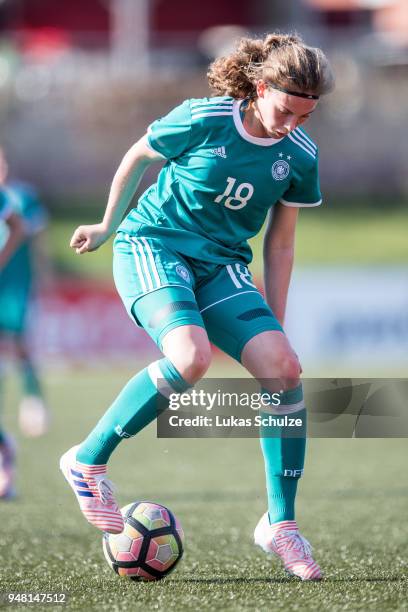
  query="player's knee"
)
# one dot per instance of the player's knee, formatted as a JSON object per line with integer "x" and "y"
{"x": 289, "y": 367}
{"x": 194, "y": 362}
{"x": 284, "y": 364}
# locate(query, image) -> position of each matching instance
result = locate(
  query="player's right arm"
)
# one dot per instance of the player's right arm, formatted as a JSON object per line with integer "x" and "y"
{"x": 127, "y": 177}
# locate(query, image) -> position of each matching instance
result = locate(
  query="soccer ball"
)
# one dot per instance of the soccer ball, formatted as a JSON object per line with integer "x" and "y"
{"x": 149, "y": 547}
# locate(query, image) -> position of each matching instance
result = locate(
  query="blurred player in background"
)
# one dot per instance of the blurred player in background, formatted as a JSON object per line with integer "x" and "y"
{"x": 180, "y": 264}
{"x": 18, "y": 275}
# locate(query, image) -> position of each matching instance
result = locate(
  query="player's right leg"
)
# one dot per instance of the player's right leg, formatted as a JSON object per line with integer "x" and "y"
{"x": 169, "y": 313}
{"x": 145, "y": 395}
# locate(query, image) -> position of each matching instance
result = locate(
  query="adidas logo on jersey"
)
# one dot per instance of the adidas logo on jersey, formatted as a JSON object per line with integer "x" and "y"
{"x": 220, "y": 151}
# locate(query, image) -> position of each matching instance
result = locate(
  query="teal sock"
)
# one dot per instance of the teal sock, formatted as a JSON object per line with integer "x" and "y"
{"x": 283, "y": 447}
{"x": 136, "y": 406}
{"x": 31, "y": 381}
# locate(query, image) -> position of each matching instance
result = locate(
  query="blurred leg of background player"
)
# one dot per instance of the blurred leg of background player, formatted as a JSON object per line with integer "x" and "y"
{"x": 12, "y": 235}
{"x": 14, "y": 304}
{"x": 33, "y": 412}
{"x": 7, "y": 453}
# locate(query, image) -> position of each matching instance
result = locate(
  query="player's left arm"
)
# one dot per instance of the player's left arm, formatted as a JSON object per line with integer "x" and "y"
{"x": 16, "y": 234}
{"x": 279, "y": 244}
{"x": 278, "y": 255}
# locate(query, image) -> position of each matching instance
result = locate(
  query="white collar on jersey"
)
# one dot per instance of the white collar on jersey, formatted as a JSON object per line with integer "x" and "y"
{"x": 264, "y": 142}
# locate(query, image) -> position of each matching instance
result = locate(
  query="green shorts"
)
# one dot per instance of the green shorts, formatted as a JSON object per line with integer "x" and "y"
{"x": 162, "y": 290}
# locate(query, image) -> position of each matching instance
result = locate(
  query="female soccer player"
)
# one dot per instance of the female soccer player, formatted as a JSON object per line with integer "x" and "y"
{"x": 181, "y": 256}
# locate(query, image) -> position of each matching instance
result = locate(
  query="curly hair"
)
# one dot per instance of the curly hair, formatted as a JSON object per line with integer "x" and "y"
{"x": 282, "y": 60}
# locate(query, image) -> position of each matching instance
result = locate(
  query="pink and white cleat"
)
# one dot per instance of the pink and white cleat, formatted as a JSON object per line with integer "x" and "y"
{"x": 284, "y": 540}
{"x": 7, "y": 468}
{"x": 94, "y": 492}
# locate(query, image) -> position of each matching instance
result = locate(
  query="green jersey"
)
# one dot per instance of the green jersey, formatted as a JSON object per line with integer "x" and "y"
{"x": 219, "y": 182}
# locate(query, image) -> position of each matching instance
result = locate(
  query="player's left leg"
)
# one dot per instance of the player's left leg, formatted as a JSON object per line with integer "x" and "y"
{"x": 240, "y": 323}
{"x": 269, "y": 357}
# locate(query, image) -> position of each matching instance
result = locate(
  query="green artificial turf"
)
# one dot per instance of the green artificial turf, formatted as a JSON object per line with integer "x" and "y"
{"x": 352, "y": 507}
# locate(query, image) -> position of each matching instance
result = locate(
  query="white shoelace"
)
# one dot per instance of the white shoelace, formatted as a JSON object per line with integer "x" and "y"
{"x": 293, "y": 541}
{"x": 105, "y": 490}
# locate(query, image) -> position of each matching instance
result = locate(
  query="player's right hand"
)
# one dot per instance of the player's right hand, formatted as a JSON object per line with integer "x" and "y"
{"x": 88, "y": 238}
